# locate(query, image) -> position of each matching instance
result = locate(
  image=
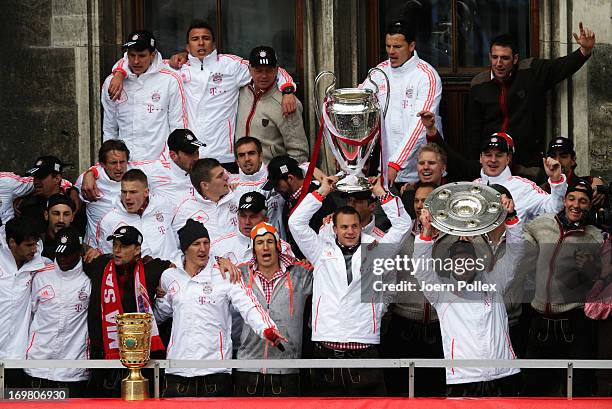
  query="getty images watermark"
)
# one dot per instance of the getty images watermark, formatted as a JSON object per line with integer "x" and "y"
{"x": 402, "y": 265}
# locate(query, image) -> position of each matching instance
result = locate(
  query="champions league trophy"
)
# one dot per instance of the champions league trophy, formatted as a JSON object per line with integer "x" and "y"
{"x": 352, "y": 122}
{"x": 134, "y": 331}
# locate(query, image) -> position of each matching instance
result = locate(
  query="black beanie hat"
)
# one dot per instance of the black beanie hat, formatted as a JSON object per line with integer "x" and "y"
{"x": 190, "y": 232}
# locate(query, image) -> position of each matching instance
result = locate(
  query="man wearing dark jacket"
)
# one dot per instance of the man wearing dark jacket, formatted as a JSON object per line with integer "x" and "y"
{"x": 119, "y": 275}
{"x": 286, "y": 177}
{"x": 510, "y": 97}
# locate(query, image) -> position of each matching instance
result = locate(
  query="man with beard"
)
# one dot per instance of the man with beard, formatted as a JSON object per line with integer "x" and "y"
{"x": 60, "y": 298}
{"x": 47, "y": 177}
{"x": 59, "y": 214}
{"x": 19, "y": 261}
{"x": 287, "y": 178}
{"x": 129, "y": 283}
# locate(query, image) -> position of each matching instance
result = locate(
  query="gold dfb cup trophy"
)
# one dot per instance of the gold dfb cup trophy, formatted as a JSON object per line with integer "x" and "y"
{"x": 134, "y": 331}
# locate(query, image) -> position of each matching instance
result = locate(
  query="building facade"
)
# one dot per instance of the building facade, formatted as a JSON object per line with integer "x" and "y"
{"x": 58, "y": 52}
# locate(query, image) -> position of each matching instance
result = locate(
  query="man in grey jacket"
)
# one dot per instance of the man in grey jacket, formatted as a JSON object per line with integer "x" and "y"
{"x": 281, "y": 285}
{"x": 260, "y": 112}
{"x": 567, "y": 261}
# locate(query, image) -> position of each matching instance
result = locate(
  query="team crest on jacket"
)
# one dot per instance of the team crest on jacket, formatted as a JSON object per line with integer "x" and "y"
{"x": 160, "y": 217}
{"x": 233, "y": 208}
{"x": 409, "y": 93}
{"x": 207, "y": 288}
{"x": 83, "y": 295}
{"x": 156, "y": 96}
{"x": 217, "y": 78}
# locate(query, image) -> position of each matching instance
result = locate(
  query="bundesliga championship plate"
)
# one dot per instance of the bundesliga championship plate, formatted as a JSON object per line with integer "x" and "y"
{"x": 465, "y": 208}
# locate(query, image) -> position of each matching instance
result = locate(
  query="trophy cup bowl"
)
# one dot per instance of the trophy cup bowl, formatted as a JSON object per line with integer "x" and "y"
{"x": 352, "y": 116}
{"x": 134, "y": 331}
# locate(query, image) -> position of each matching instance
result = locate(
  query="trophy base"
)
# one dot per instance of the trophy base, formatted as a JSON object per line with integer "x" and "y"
{"x": 353, "y": 184}
{"x": 135, "y": 387}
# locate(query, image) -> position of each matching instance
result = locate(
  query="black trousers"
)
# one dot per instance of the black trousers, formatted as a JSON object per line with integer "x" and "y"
{"x": 413, "y": 339}
{"x": 347, "y": 381}
{"x": 75, "y": 389}
{"x": 506, "y": 386}
{"x": 218, "y": 384}
{"x": 258, "y": 384}
{"x": 560, "y": 336}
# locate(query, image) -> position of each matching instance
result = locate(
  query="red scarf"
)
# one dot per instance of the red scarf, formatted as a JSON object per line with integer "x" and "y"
{"x": 111, "y": 306}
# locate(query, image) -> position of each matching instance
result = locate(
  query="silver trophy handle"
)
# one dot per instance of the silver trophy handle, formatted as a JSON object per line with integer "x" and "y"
{"x": 376, "y": 86}
{"x": 327, "y": 90}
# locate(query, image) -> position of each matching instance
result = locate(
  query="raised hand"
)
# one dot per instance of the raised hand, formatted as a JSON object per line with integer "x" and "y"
{"x": 552, "y": 167}
{"x": 586, "y": 39}
{"x": 429, "y": 121}
{"x": 427, "y": 229}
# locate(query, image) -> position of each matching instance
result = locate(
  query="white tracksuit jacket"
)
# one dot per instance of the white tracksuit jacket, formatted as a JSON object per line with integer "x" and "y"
{"x": 251, "y": 183}
{"x": 59, "y": 322}
{"x": 211, "y": 92}
{"x": 474, "y": 324}
{"x": 110, "y": 192}
{"x": 159, "y": 240}
{"x": 167, "y": 180}
{"x": 415, "y": 86}
{"x": 150, "y": 107}
{"x": 219, "y": 218}
{"x": 12, "y": 186}
{"x": 15, "y": 306}
{"x": 201, "y": 319}
{"x": 529, "y": 200}
{"x": 338, "y": 311}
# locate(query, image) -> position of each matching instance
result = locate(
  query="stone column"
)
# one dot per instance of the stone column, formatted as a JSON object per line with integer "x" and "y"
{"x": 580, "y": 107}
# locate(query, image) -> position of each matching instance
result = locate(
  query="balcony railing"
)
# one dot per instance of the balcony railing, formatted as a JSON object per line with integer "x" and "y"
{"x": 411, "y": 364}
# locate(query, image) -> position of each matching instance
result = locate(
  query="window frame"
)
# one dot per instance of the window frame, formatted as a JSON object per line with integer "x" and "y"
{"x": 137, "y": 17}
{"x": 374, "y": 42}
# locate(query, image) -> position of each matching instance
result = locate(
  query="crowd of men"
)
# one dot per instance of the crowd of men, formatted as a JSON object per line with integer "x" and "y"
{"x": 199, "y": 212}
